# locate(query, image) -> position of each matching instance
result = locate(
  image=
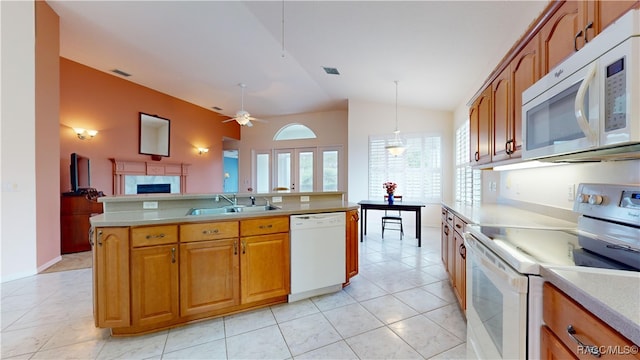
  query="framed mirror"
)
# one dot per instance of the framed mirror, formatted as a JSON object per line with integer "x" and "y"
{"x": 154, "y": 136}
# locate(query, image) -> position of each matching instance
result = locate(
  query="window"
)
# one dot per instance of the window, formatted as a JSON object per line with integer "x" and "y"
{"x": 418, "y": 172}
{"x": 468, "y": 183}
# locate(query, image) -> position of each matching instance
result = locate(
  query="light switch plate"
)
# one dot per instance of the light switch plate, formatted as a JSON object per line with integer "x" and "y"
{"x": 149, "y": 204}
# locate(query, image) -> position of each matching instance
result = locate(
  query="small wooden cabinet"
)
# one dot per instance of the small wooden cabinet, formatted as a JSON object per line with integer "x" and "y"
{"x": 111, "y": 307}
{"x": 454, "y": 254}
{"x": 480, "y": 129}
{"x": 558, "y": 35}
{"x": 209, "y": 267}
{"x": 352, "y": 244}
{"x": 75, "y": 211}
{"x": 264, "y": 259}
{"x": 563, "y": 315}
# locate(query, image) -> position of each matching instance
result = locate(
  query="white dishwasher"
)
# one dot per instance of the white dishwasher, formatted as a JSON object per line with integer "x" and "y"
{"x": 318, "y": 254}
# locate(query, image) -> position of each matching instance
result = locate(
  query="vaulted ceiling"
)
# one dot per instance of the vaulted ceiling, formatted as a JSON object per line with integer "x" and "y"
{"x": 199, "y": 51}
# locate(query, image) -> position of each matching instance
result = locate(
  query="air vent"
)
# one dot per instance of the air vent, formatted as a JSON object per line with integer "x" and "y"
{"x": 216, "y": 108}
{"x": 331, "y": 71}
{"x": 120, "y": 72}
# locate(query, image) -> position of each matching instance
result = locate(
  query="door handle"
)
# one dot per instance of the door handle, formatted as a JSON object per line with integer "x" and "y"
{"x": 591, "y": 349}
{"x": 575, "y": 40}
{"x": 583, "y": 122}
{"x": 589, "y": 26}
{"x": 173, "y": 255}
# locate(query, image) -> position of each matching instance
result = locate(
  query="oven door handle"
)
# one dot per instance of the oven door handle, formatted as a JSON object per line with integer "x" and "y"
{"x": 582, "y": 120}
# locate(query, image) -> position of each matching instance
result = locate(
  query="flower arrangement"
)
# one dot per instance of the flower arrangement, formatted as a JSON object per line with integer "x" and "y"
{"x": 390, "y": 187}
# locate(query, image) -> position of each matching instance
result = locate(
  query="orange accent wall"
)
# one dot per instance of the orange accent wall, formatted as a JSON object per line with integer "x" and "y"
{"x": 47, "y": 151}
{"x": 92, "y": 99}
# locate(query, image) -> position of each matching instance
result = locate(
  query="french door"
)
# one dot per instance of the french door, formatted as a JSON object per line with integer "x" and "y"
{"x": 294, "y": 169}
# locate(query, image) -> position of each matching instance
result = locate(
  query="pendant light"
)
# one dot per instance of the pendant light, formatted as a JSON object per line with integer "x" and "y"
{"x": 396, "y": 147}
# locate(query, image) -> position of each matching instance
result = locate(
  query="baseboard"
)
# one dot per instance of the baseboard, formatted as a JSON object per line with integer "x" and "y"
{"x": 49, "y": 264}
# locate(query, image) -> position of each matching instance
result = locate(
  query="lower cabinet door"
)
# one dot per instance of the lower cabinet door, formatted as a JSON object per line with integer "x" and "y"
{"x": 111, "y": 277}
{"x": 264, "y": 267}
{"x": 551, "y": 347}
{"x": 154, "y": 284}
{"x": 209, "y": 276}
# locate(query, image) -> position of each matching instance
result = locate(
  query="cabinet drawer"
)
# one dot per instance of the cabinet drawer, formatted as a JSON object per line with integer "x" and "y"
{"x": 449, "y": 218}
{"x": 154, "y": 235}
{"x": 264, "y": 226}
{"x": 209, "y": 231}
{"x": 444, "y": 214}
{"x": 560, "y": 312}
{"x": 458, "y": 224}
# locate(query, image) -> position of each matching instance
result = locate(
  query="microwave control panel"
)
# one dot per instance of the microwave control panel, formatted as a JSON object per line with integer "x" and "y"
{"x": 615, "y": 96}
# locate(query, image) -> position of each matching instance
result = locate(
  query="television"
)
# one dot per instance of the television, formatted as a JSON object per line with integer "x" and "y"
{"x": 80, "y": 171}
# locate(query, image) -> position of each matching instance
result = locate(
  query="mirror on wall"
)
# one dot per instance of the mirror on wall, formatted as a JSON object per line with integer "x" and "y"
{"x": 154, "y": 136}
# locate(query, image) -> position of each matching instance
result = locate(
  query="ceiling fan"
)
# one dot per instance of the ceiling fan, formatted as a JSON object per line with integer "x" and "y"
{"x": 242, "y": 117}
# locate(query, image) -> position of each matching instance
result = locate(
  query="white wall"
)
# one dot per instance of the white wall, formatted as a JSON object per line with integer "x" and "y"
{"x": 367, "y": 118}
{"x": 549, "y": 186}
{"x": 17, "y": 137}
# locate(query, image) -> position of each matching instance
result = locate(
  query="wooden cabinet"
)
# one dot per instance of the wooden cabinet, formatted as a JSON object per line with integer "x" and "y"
{"x": 567, "y": 321}
{"x": 454, "y": 253}
{"x": 154, "y": 285}
{"x": 480, "y": 129}
{"x": 264, "y": 258}
{"x": 352, "y": 244}
{"x": 552, "y": 348}
{"x": 154, "y": 275}
{"x": 75, "y": 211}
{"x": 502, "y": 116}
{"x": 460, "y": 279}
{"x": 209, "y": 267}
{"x": 111, "y": 277}
{"x": 558, "y": 36}
{"x": 525, "y": 71}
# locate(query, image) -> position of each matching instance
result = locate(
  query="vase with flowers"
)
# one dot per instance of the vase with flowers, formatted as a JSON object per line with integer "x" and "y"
{"x": 390, "y": 187}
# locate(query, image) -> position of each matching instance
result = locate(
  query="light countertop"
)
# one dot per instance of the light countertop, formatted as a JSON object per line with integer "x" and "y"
{"x": 179, "y": 214}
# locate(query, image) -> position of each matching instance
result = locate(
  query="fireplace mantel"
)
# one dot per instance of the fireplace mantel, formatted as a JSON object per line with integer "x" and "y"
{"x": 122, "y": 168}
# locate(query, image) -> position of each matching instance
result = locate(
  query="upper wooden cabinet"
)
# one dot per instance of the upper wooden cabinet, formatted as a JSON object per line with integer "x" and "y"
{"x": 495, "y": 113}
{"x": 480, "y": 129}
{"x": 558, "y": 35}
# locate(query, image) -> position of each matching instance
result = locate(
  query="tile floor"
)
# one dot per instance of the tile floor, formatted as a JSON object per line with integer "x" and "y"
{"x": 400, "y": 306}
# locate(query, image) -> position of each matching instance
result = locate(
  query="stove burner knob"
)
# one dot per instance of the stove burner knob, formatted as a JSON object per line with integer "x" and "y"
{"x": 582, "y": 198}
{"x": 595, "y": 199}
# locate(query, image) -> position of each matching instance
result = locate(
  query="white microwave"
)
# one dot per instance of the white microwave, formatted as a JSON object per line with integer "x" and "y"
{"x": 591, "y": 101}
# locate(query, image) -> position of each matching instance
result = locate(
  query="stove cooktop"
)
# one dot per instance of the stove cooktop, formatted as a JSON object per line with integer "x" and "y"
{"x": 525, "y": 248}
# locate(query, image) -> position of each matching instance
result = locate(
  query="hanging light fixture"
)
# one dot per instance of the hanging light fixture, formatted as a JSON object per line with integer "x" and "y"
{"x": 396, "y": 147}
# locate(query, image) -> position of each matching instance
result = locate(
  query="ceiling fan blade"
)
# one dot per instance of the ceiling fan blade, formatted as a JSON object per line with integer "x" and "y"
{"x": 259, "y": 120}
{"x": 229, "y": 120}
{"x": 249, "y": 124}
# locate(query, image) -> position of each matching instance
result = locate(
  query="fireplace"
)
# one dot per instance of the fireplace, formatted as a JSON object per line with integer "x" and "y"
{"x": 153, "y": 188}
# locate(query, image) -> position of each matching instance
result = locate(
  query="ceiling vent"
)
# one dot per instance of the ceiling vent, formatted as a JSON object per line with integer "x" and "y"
{"x": 120, "y": 72}
{"x": 331, "y": 71}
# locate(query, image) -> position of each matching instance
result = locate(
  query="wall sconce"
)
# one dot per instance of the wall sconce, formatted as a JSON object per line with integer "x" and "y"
{"x": 203, "y": 150}
{"x": 85, "y": 134}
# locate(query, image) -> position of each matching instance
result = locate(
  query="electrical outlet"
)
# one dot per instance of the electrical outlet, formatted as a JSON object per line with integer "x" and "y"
{"x": 571, "y": 192}
{"x": 149, "y": 204}
{"x": 276, "y": 199}
{"x": 304, "y": 198}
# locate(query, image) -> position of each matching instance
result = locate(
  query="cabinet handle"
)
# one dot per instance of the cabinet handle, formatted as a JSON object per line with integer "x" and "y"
{"x": 91, "y": 236}
{"x": 266, "y": 226}
{"x": 235, "y": 247}
{"x": 446, "y": 230}
{"x": 173, "y": 255}
{"x": 575, "y": 40}
{"x": 591, "y": 349}
{"x": 244, "y": 246}
{"x": 209, "y": 232}
{"x": 155, "y": 236}
{"x": 477, "y": 156}
{"x": 589, "y": 26}
{"x": 100, "y": 237}
{"x": 459, "y": 226}
{"x": 462, "y": 250}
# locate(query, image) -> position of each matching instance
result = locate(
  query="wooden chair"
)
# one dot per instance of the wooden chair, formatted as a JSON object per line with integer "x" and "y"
{"x": 391, "y": 221}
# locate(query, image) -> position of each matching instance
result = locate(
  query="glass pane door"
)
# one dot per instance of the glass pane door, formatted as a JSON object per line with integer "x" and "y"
{"x": 306, "y": 164}
{"x": 294, "y": 170}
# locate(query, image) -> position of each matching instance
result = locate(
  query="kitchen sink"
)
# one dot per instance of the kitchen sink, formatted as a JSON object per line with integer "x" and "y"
{"x": 231, "y": 209}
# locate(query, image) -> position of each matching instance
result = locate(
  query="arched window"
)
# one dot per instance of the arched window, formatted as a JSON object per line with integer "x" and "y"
{"x": 294, "y": 131}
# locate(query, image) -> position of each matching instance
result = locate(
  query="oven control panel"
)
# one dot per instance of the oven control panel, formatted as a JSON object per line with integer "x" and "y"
{"x": 614, "y": 202}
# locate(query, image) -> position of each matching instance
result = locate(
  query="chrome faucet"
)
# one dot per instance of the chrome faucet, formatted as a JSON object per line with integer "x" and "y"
{"x": 253, "y": 200}
{"x": 233, "y": 202}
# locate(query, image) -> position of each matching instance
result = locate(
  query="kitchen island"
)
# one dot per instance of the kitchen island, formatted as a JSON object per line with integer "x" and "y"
{"x": 156, "y": 265}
